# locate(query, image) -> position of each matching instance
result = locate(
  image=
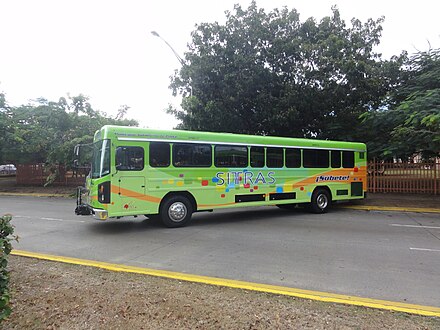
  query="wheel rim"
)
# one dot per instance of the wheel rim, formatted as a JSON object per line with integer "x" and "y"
{"x": 322, "y": 201}
{"x": 177, "y": 211}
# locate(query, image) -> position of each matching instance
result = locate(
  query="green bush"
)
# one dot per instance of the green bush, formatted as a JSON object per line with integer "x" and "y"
{"x": 6, "y": 236}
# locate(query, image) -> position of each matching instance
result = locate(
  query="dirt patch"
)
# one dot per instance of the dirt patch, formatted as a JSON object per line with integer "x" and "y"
{"x": 53, "y": 295}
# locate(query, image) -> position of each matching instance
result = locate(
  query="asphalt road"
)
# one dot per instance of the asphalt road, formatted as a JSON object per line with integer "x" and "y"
{"x": 382, "y": 255}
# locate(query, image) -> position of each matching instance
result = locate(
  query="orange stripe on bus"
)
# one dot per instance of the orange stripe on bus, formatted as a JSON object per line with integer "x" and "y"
{"x": 129, "y": 193}
{"x": 338, "y": 172}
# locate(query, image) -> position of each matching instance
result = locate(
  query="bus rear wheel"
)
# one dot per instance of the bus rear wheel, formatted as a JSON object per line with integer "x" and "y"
{"x": 176, "y": 211}
{"x": 321, "y": 201}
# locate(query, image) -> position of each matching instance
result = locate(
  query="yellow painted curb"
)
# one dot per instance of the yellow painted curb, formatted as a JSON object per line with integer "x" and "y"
{"x": 391, "y": 208}
{"x": 307, "y": 294}
{"x": 33, "y": 194}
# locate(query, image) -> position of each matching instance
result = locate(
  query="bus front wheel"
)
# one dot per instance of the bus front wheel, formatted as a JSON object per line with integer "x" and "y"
{"x": 176, "y": 211}
{"x": 321, "y": 201}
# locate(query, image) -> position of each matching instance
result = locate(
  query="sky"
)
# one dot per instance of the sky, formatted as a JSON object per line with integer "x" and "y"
{"x": 105, "y": 49}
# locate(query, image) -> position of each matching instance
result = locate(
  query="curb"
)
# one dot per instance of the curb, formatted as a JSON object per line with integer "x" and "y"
{"x": 293, "y": 292}
{"x": 390, "y": 208}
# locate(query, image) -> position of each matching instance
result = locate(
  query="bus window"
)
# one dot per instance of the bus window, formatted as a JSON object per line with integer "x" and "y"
{"x": 348, "y": 159}
{"x": 129, "y": 158}
{"x": 315, "y": 158}
{"x": 230, "y": 156}
{"x": 192, "y": 155}
{"x": 100, "y": 159}
{"x": 293, "y": 158}
{"x": 275, "y": 157}
{"x": 257, "y": 157}
{"x": 159, "y": 154}
{"x": 335, "y": 158}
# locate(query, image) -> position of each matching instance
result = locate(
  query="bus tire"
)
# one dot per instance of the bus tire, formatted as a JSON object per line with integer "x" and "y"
{"x": 320, "y": 202}
{"x": 176, "y": 211}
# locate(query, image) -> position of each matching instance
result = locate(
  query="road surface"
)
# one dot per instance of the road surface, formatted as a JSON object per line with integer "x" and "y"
{"x": 382, "y": 255}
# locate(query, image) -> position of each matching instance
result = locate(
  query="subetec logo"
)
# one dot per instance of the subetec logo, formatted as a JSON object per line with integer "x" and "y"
{"x": 322, "y": 178}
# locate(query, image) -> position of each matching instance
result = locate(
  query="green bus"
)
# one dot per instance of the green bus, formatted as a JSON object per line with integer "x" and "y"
{"x": 174, "y": 173}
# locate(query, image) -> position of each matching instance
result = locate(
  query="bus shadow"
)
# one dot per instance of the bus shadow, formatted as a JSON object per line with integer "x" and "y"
{"x": 123, "y": 226}
{"x": 243, "y": 215}
{"x": 216, "y": 218}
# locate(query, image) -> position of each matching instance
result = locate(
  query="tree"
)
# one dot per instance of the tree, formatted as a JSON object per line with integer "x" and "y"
{"x": 4, "y": 125}
{"x": 47, "y": 131}
{"x": 411, "y": 122}
{"x": 122, "y": 112}
{"x": 270, "y": 73}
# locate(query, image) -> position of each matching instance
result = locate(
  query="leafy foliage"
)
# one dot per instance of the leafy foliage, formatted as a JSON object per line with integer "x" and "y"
{"x": 411, "y": 123}
{"x": 270, "y": 73}
{"x": 47, "y": 131}
{"x": 6, "y": 236}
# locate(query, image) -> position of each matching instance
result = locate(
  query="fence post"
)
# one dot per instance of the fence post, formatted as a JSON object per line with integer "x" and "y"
{"x": 435, "y": 177}
{"x": 374, "y": 175}
{"x": 43, "y": 181}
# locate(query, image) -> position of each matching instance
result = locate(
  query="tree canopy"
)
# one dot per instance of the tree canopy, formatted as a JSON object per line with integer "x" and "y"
{"x": 271, "y": 73}
{"x": 47, "y": 131}
{"x": 411, "y": 122}
{"x": 266, "y": 73}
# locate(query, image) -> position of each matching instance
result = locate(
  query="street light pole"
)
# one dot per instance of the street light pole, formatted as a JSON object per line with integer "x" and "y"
{"x": 182, "y": 62}
{"x": 154, "y": 33}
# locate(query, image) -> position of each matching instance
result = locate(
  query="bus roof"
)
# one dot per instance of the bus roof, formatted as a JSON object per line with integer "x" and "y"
{"x": 127, "y": 133}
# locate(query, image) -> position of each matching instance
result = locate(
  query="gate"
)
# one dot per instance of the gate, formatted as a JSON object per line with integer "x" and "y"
{"x": 419, "y": 178}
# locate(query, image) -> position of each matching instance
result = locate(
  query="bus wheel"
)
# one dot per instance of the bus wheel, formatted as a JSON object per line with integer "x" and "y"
{"x": 320, "y": 201}
{"x": 176, "y": 211}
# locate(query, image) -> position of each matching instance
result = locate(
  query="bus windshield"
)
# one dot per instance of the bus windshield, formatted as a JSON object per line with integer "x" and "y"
{"x": 100, "y": 159}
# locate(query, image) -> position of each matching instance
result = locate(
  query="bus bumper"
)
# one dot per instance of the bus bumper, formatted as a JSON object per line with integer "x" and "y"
{"x": 85, "y": 208}
{"x": 100, "y": 214}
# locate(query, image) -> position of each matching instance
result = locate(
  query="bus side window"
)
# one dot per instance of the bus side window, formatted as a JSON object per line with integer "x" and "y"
{"x": 230, "y": 156}
{"x": 159, "y": 154}
{"x": 293, "y": 158}
{"x": 129, "y": 158}
{"x": 257, "y": 157}
{"x": 348, "y": 159}
{"x": 275, "y": 157}
{"x": 192, "y": 155}
{"x": 335, "y": 158}
{"x": 316, "y": 158}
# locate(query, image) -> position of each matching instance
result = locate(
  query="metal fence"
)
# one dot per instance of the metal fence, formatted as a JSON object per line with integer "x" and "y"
{"x": 39, "y": 174}
{"x": 418, "y": 178}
